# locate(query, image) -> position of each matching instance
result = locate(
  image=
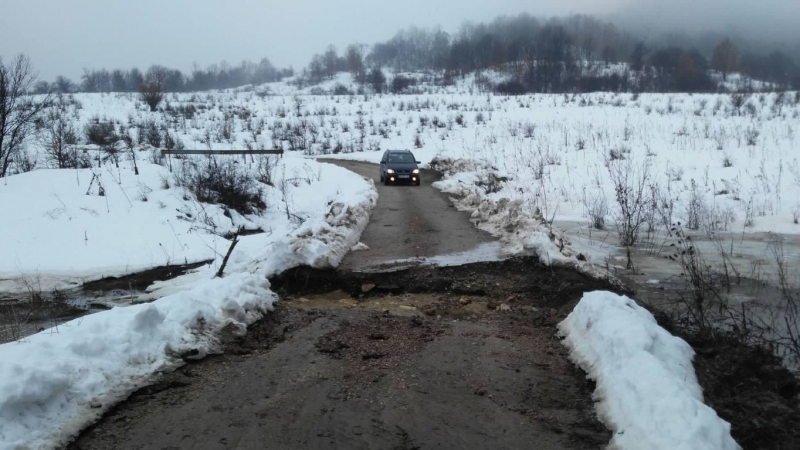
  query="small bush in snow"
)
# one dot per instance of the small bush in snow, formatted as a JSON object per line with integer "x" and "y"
{"x": 751, "y": 136}
{"x": 221, "y": 181}
{"x": 727, "y": 161}
{"x": 630, "y": 184}
{"x": 417, "y": 141}
{"x": 596, "y": 209}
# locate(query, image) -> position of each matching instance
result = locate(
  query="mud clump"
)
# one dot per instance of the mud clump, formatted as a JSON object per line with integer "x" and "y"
{"x": 373, "y": 347}
{"x": 749, "y": 388}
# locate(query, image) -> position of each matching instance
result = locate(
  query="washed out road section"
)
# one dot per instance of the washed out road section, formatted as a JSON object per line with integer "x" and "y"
{"x": 438, "y": 361}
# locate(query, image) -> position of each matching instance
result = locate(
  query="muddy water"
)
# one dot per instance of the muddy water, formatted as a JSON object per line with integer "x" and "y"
{"x": 751, "y": 284}
{"x": 20, "y": 316}
{"x": 751, "y": 253}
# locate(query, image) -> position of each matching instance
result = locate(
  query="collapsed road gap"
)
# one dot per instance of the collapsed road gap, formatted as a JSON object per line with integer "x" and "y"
{"x": 521, "y": 279}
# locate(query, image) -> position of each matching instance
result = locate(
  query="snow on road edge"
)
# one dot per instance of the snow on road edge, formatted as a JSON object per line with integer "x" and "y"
{"x": 53, "y": 385}
{"x": 647, "y": 390}
{"x": 478, "y": 189}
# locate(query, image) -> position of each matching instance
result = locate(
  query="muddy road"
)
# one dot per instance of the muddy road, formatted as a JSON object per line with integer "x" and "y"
{"x": 423, "y": 358}
{"x": 410, "y": 222}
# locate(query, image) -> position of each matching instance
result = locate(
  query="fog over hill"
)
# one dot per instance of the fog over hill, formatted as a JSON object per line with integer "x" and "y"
{"x": 63, "y": 38}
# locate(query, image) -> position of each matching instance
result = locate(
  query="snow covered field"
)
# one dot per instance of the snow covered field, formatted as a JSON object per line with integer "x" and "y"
{"x": 723, "y": 162}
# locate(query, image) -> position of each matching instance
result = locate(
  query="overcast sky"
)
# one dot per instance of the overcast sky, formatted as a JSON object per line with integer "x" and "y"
{"x": 65, "y": 36}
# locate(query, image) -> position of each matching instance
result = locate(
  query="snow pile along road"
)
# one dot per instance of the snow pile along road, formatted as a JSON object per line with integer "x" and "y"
{"x": 647, "y": 391}
{"x": 56, "y": 382}
{"x": 479, "y": 189}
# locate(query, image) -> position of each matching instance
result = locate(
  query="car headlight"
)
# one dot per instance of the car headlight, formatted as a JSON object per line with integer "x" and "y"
{"x": 389, "y": 171}
{"x": 415, "y": 171}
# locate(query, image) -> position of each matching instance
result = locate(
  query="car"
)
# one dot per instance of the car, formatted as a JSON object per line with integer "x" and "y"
{"x": 399, "y": 166}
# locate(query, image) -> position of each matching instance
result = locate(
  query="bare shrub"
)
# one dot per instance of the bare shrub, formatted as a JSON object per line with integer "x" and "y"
{"x": 151, "y": 88}
{"x": 265, "y": 168}
{"x": 418, "y": 141}
{"x": 696, "y": 208}
{"x": 787, "y": 339}
{"x": 727, "y": 161}
{"x": 618, "y": 154}
{"x": 59, "y": 138}
{"x": 597, "y": 210}
{"x": 700, "y": 282}
{"x": 104, "y": 135}
{"x": 223, "y": 182}
{"x": 630, "y": 186}
{"x": 751, "y": 136}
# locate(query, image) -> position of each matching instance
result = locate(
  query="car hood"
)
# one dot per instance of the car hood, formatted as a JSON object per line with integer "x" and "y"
{"x": 401, "y": 166}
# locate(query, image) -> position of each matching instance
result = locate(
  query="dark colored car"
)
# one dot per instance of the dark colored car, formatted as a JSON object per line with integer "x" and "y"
{"x": 399, "y": 166}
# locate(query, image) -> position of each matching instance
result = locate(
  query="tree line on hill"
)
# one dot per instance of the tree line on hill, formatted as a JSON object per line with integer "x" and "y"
{"x": 216, "y": 76}
{"x": 577, "y": 53}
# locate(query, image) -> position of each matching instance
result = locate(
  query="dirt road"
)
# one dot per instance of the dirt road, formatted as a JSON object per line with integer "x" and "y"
{"x": 424, "y": 357}
{"x": 411, "y": 222}
{"x": 430, "y": 358}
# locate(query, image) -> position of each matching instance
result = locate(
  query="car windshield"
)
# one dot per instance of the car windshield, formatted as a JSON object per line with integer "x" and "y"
{"x": 401, "y": 158}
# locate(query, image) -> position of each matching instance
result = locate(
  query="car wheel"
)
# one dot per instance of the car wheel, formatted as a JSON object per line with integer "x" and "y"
{"x": 386, "y": 181}
{"x": 382, "y": 178}
{"x": 416, "y": 183}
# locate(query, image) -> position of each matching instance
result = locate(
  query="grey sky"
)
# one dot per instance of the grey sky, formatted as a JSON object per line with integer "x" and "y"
{"x": 64, "y": 36}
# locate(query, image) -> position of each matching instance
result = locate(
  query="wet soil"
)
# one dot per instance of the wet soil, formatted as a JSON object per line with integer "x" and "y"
{"x": 747, "y": 386}
{"x": 428, "y": 357}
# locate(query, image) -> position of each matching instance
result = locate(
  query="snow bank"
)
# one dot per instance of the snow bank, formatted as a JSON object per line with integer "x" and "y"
{"x": 109, "y": 222}
{"x": 647, "y": 390}
{"x": 479, "y": 189}
{"x": 56, "y": 382}
{"x": 60, "y": 380}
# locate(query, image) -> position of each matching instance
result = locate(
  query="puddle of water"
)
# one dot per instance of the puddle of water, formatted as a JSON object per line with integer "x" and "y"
{"x": 59, "y": 307}
{"x": 750, "y": 253}
{"x": 659, "y": 281}
{"x": 486, "y": 252}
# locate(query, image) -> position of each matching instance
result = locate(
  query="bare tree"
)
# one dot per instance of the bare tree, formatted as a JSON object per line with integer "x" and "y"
{"x": 354, "y": 59}
{"x": 59, "y": 137}
{"x": 724, "y": 58}
{"x": 151, "y": 88}
{"x": 63, "y": 85}
{"x": 18, "y": 108}
{"x": 105, "y": 136}
{"x": 330, "y": 61}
